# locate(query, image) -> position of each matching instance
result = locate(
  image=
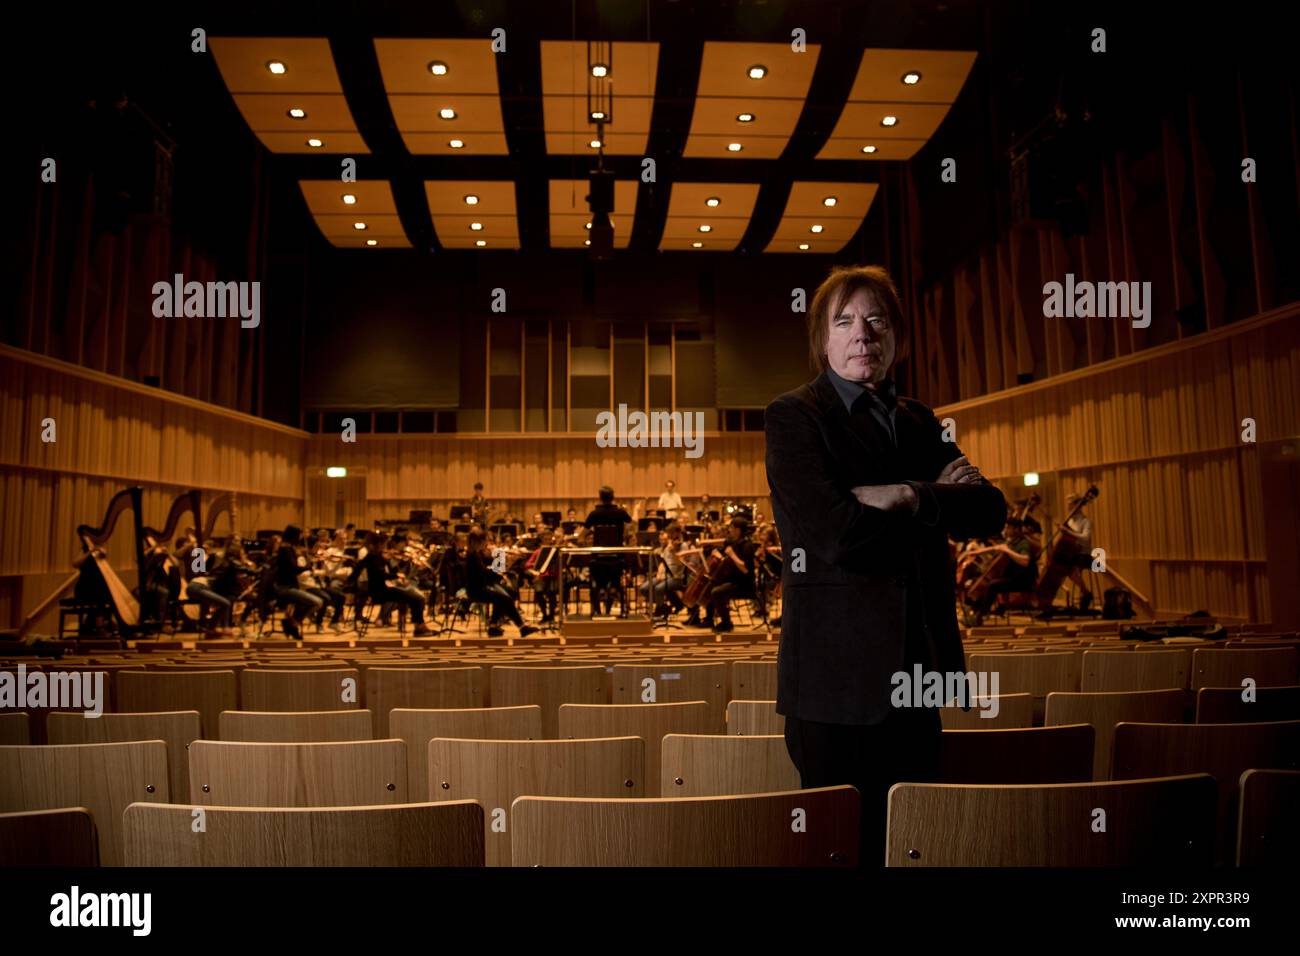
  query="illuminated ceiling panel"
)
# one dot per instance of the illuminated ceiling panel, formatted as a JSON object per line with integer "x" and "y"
{"x": 809, "y": 221}
{"x": 569, "y": 214}
{"x": 630, "y": 79}
{"x": 300, "y": 109}
{"x": 468, "y": 88}
{"x": 371, "y": 204}
{"x": 881, "y": 90}
{"x": 727, "y": 95}
{"x": 454, "y": 216}
{"x": 689, "y": 209}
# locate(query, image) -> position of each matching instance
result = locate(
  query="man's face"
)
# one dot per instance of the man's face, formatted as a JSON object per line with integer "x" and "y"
{"x": 668, "y": 486}
{"x": 860, "y": 344}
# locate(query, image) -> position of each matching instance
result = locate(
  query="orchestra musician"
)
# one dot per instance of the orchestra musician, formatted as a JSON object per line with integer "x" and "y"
{"x": 546, "y": 583}
{"x": 215, "y": 606}
{"x": 706, "y": 506}
{"x": 321, "y": 579}
{"x": 374, "y": 565}
{"x": 607, "y": 571}
{"x": 735, "y": 577}
{"x": 664, "y": 587}
{"x": 159, "y": 582}
{"x": 478, "y": 505}
{"x": 289, "y": 564}
{"x": 1019, "y": 544}
{"x": 1081, "y": 525}
{"x": 484, "y": 584}
{"x": 670, "y": 502}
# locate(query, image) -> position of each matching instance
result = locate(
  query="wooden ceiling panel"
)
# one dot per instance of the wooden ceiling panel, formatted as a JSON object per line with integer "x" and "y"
{"x": 324, "y": 197}
{"x": 880, "y": 75}
{"x": 724, "y": 70}
{"x": 453, "y": 217}
{"x": 308, "y": 62}
{"x": 404, "y": 66}
{"x": 895, "y": 149}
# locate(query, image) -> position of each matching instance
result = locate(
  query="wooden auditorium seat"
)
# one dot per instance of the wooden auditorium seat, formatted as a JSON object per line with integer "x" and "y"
{"x": 1116, "y": 671}
{"x": 1036, "y": 674}
{"x": 1268, "y": 828}
{"x": 208, "y": 692}
{"x": 176, "y": 729}
{"x": 712, "y": 765}
{"x": 1222, "y": 667}
{"x": 1165, "y": 822}
{"x": 753, "y": 680}
{"x": 1224, "y": 751}
{"x": 1224, "y": 705}
{"x": 752, "y": 718}
{"x": 103, "y": 778}
{"x": 49, "y": 838}
{"x": 15, "y": 729}
{"x": 1104, "y": 710}
{"x": 350, "y": 774}
{"x": 1013, "y": 710}
{"x": 673, "y": 683}
{"x": 410, "y": 835}
{"x": 299, "y": 690}
{"x": 1017, "y": 755}
{"x": 549, "y": 688}
{"x": 495, "y": 772}
{"x": 417, "y": 727}
{"x": 431, "y": 688}
{"x": 816, "y": 827}
{"x": 650, "y": 722}
{"x": 304, "y": 727}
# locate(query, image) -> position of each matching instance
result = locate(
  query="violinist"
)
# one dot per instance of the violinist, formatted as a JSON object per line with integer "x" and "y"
{"x": 228, "y": 578}
{"x": 288, "y": 564}
{"x": 318, "y": 580}
{"x": 200, "y": 587}
{"x": 735, "y": 576}
{"x": 159, "y": 582}
{"x": 483, "y": 583}
{"x": 378, "y": 574}
{"x": 664, "y": 588}
{"x": 546, "y": 580}
{"x": 1022, "y": 553}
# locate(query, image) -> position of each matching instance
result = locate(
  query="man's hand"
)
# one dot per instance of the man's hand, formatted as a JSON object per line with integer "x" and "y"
{"x": 885, "y": 497}
{"x": 959, "y": 471}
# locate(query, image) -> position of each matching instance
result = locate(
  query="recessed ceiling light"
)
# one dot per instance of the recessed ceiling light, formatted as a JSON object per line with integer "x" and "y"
{"x": 911, "y": 78}
{"x": 734, "y": 147}
{"x": 745, "y": 117}
{"x": 358, "y": 225}
{"x": 349, "y": 199}
{"x": 757, "y": 71}
{"x": 598, "y": 114}
{"x": 276, "y": 67}
{"x": 697, "y": 245}
{"x": 447, "y": 113}
{"x": 599, "y": 69}
{"x": 594, "y": 144}
{"x": 586, "y": 242}
{"x": 868, "y": 149}
{"x": 712, "y": 201}
{"x": 480, "y": 242}
{"x": 803, "y": 245}
{"x": 315, "y": 143}
{"x": 297, "y": 113}
{"x": 706, "y": 228}
{"x": 456, "y": 144}
{"x": 438, "y": 68}
{"x": 889, "y": 121}
{"x": 476, "y": 226}
{"x": 815, "y": 228}
{"x": 829, "y": 201}
{"x": 372, "y": 242}
{"x": 471, "y": 200}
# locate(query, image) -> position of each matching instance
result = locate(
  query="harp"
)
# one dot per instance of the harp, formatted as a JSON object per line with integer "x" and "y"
{"x": 128, "y": 608}
{"x": 188, "y": 501}
{"x": 223, "y": 503}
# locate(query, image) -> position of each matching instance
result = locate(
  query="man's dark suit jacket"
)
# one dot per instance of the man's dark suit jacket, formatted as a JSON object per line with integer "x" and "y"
{"x": 843, "y": 623}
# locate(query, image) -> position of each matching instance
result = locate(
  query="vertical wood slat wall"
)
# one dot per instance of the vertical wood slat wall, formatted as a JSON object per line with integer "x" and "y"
{"x": 1159, "y": 432}
{"x": 110, "y": 434}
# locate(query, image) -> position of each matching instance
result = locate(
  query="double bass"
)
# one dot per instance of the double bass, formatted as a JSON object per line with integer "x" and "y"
{"x": 1062, "y": 553}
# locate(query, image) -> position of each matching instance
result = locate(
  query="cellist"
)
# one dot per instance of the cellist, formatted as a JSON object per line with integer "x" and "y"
{"x": 1021, "y": 571}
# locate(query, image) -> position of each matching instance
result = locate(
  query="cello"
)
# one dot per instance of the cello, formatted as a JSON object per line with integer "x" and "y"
{"x": 1062, "y": 553}
{"x": 997, "y": 568}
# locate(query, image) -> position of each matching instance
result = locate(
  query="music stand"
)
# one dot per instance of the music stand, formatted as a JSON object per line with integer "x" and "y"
{"x": 551, "y": 519}
{"x": 460, "y": 511}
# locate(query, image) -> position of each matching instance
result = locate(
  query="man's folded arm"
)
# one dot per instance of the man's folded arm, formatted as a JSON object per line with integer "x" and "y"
{"x": 835, "y": 525}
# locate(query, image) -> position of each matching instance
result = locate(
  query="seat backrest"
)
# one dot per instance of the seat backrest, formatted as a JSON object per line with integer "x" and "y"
{"x": 1017, "y": 755}
{"x": 1224, "y": 751}
{"x": 177, "y": 730}
{"x": 1224, "y": 667}
{"x": 753, "y": 680}
{"x": 317, "y": 726}
{"x": 1109, "y": 671}
{"x": 754, "y": 718}
{"x": 49, "y": 838}
{"x": 299, "y": 690}
{"x": 1268, "y": 828}
{"x": 994, "y": 712}
{"x": 1104, "y": 710}
{"x": 816, "y": 827}
{"x": 650, "y": 722}
{"x": 1165, "y": 822}
{"x": 548, "y": 688}
{"x": 714, "y": 765}
{"x": 208, "y": 692}
{"x": 15, "y": 729}
{"x": 418, "y": 727}
{"x": 1227, "y": 705}
{"x": 1037, "y": 674}
{"x": 672, "y": 684}
{"x": 103, "y": 778}
{"x": 495, "y": 772}
{"x": 351, "y": 774}
{"x": 441, "y": 687}
{"x": 449, "y": 834}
